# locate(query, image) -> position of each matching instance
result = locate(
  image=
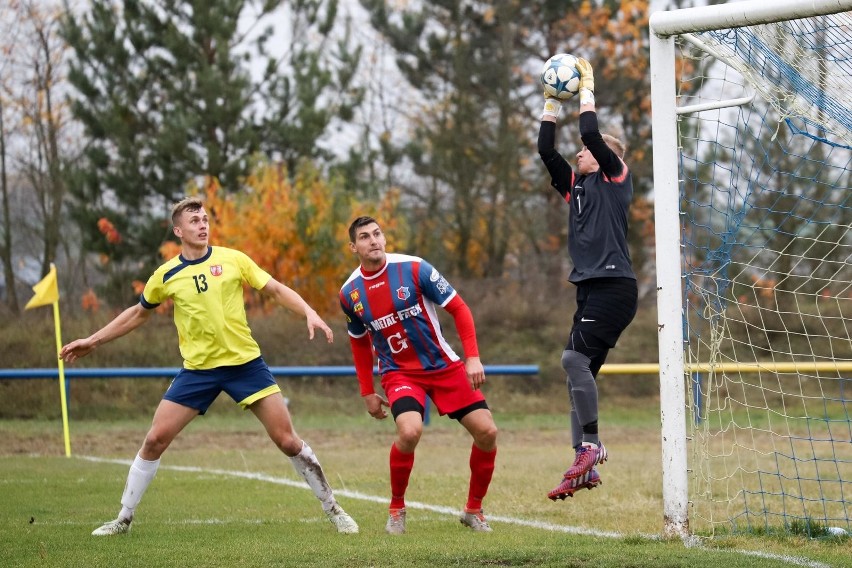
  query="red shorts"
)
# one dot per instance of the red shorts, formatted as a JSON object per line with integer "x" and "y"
{"x": 449, "y": 389}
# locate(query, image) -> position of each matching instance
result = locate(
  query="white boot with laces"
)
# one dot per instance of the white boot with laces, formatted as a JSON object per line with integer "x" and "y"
{"x": 118, "y": 526}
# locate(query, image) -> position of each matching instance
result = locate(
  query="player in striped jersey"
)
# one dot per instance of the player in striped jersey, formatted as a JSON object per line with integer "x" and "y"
{"x": 390, "y": 303}
{"x": 206, "y": 285}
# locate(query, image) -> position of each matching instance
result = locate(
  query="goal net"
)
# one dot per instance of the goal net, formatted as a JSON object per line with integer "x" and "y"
{"x": 764, "y": 164}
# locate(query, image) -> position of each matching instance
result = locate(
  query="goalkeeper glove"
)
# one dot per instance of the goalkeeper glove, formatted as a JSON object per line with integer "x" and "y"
{"x": 552, "y": 106}
{"x": 587, "y": 81}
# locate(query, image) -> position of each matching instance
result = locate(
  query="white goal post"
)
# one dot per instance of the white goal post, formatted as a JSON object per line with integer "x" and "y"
{"x": 671, "y": 31}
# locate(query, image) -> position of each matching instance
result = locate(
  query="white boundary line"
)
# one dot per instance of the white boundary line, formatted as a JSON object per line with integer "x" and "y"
{"x": 691, "y": 542}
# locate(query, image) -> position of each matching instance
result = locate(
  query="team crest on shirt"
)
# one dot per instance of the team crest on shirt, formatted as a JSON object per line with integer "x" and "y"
{"x": 402, "y": 293}
{"x": 354, "y": 295}
{"x": 359, "y": 308}
{"x": 442, "y": 285}
{"x": 216, "y": 270}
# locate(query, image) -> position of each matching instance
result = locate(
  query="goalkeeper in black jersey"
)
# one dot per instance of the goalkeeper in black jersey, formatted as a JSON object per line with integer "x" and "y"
{"x": 599, "y": 193}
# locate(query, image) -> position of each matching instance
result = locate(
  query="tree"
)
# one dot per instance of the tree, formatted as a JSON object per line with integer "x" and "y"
{"x": 467, "y": 145}
{"x": 613, "y": 36}
{"x": 31, "y": 92}
{"x": 293, "y": 226}
{"x": 167, "y": 92}
{"x": 6, "y": 247}
{"x": 315, "y": 90}
{"x": 481, "y": 193}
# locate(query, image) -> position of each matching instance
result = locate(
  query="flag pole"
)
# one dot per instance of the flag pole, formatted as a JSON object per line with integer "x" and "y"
{"x": 62, "y": 394}
{"x": 47, "y": 293}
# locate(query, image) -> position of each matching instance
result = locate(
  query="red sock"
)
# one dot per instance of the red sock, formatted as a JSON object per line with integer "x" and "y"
{"x": 481, "y": 471}
{"x": 400, "y": 471}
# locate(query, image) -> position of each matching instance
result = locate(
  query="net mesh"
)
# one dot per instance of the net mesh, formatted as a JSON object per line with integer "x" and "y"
{"x": 767, "y": 237}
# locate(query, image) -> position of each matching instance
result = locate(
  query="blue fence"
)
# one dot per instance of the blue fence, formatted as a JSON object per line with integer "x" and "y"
{"x": 159, "y": 372}
{"x": 168, "y": 372}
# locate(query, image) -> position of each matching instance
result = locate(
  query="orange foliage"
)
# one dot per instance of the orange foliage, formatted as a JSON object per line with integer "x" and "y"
{"x": 614, "y": 37}
{"x": 551, "y": 243}
{"x": 90, "y": 301}
{"x": 765, "y": 286}
{"x": 295, "y": 229}
{"x": 107, "y": 229}
{"x": 169, "y": 250}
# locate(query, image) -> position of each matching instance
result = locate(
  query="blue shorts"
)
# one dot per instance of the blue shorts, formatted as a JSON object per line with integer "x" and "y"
{"x": 246, "y": 384}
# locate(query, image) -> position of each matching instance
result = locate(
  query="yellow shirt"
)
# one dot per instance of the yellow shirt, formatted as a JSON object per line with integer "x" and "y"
{"x": 210, "y": 313}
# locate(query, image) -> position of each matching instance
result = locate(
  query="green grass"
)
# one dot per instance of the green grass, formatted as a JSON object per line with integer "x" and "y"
{"x": 49, "y": 504}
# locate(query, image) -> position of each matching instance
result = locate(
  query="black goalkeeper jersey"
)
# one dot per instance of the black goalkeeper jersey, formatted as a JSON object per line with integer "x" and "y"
{"x": 599, "y": 204}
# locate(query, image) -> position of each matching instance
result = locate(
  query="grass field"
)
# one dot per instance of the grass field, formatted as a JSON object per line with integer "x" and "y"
{"x": 225, "y": 497}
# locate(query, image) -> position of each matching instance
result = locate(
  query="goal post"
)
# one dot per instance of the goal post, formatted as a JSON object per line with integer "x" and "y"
{"x": 752, "y": 138}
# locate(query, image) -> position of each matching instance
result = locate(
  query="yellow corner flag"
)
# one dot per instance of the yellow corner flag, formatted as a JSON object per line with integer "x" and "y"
{"x": 46, "y": 291}
{"x": 46, "y": 294}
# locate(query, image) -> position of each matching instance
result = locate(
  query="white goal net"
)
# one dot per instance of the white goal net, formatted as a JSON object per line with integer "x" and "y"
{"x": 763, "y": 125}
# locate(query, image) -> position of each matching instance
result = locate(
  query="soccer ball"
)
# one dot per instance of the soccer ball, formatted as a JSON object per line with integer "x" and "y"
{"x": 560, "y": 77}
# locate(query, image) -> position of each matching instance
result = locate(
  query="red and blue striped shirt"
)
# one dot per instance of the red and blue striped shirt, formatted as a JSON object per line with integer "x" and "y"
{"x": 396, "y": 307}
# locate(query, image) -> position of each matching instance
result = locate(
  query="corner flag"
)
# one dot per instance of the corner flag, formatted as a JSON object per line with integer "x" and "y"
{"x": 46, "y": 294}
{"x": 46, "y": 291}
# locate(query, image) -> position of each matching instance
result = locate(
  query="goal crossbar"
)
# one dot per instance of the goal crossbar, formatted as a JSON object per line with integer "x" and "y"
{"x": 739, "y": 14}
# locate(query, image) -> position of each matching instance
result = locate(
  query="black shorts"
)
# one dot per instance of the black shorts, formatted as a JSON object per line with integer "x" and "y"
{"x": 605, "y": 307}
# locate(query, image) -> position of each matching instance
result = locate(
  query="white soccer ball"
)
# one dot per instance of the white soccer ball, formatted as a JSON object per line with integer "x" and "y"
{"x": 560, "y": 77}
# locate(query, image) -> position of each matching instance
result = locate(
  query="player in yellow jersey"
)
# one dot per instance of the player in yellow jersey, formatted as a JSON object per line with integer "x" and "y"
{"x": 220, "y": 354}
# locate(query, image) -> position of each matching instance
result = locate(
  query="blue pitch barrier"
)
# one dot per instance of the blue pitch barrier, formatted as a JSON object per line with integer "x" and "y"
{"x": 168, "y": 372}
{"x": 165, "y": 372}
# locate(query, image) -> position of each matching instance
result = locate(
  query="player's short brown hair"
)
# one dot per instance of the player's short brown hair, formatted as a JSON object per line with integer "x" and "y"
{"x": 186, "y": 204}
{"x": 615, "y": 145}
{"x": 357, "y": 224}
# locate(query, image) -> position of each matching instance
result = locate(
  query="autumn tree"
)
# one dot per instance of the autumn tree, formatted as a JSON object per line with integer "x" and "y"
{"x": 293, "y": 226}
{"x": 172, "y": 91}
{"x": 36, "y": 140}
{"x": 481, "y": 196}
{"x": 468, "y": 144}
{"x": 613, "y": 36}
